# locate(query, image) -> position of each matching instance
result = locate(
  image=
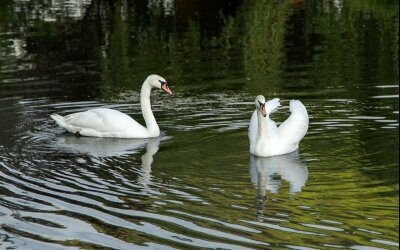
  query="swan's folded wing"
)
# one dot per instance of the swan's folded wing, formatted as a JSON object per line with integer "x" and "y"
{"x": 102, "y": 120}
{"x": 295, "y": 127}
{"x": 86, "y": 119}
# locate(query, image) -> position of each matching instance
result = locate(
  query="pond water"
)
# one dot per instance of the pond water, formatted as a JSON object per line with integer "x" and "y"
{"x": 197, "y": 186}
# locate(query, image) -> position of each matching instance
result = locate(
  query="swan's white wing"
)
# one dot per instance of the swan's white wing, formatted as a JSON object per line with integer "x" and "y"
{"x": 86, "y": 119}
{"x": 100, "y": 119}
{"x": 101, "y": 122}
{"x": 295, "y": 127}
{"x": 272, "y": 105}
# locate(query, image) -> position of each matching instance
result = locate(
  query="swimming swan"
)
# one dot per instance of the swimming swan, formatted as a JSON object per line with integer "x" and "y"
{"x": 266, "y": 138}
{"x": 103, "y": 122}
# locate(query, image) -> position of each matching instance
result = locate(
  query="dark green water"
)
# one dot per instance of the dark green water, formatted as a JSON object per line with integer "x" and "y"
{"x": 197, "y": 186}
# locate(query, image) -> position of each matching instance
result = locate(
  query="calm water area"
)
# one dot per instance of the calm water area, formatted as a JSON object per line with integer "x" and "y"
{"x": 197, "y": 186}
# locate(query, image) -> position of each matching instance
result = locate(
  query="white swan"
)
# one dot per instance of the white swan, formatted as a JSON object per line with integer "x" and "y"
{"x": 267, "y": 139}
{"x": 103, "y": 122}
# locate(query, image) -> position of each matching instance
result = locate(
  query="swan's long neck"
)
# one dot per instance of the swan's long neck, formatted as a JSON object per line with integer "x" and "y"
{"x": 262, "y": 125}
{"x": 151, "y": 125}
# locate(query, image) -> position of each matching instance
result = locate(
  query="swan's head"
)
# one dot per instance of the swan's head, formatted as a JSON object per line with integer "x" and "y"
{"x": 260, "y": 104}
{"x": 159, "y": 82}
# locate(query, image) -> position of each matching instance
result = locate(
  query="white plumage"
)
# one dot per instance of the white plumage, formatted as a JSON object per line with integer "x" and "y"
{"x": 103, "y": 122}
{"x": 266, "y": 138}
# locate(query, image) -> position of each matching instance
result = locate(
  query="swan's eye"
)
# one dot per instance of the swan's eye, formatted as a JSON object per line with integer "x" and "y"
{"x": 261, "y": 104}
{"x": 162, "y": 82}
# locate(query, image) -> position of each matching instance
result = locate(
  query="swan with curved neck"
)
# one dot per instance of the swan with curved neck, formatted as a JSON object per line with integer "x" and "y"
{"x": 266, "y": 138}
{"x": 103, "y": 122}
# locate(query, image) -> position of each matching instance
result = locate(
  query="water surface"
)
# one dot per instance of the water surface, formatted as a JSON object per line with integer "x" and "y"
{"x": 197, "y": 186}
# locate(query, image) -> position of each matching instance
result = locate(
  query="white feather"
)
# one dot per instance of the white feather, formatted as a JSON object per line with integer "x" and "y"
{"x": 103, "y": 122}
{"x": 278, "y": 140}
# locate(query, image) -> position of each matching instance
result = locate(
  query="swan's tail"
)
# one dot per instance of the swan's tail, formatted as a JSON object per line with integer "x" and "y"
{"x": 272, "y": 105}
{"x": 59, "y": 119}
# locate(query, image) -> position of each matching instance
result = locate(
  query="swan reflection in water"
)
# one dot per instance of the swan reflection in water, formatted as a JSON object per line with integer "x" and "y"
{"x": 144, "y": 178}
{"x": 103, "y": 147}
{"x": 267, "y": 174}
{"x": 121, "y": 149}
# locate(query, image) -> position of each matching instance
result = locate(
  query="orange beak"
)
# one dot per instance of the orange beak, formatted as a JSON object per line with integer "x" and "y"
{"x": 166, "y": 89}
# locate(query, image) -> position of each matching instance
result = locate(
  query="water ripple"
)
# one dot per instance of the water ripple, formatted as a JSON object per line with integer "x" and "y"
{"x": 124, "y": 194}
